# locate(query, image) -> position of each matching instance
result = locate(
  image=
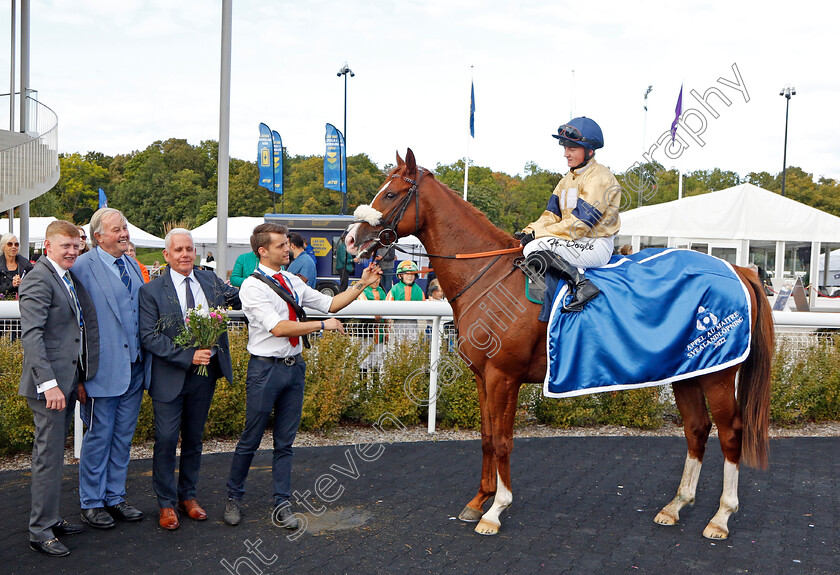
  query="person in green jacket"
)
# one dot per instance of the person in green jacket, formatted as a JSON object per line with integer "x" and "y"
{"x": 244, "y": 266}
{"x": 405, "y": 290}
{"x": 344, "y": 265}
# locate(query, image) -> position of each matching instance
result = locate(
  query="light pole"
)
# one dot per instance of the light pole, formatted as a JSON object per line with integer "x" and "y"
{"x": 644, "y": 127}
{"x": 787, "y": 92}
{"x": 343, "y": 72}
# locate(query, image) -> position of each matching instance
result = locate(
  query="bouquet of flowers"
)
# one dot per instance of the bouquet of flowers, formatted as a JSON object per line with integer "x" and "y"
{"x": 202, "y": 329}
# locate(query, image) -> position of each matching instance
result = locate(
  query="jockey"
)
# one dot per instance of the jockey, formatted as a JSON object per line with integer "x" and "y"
{"x": 405, "y": 290}
{"x": 581, "y": 220}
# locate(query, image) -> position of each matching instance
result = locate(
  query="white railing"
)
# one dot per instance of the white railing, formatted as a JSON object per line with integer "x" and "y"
{"x": 31, "y": 168}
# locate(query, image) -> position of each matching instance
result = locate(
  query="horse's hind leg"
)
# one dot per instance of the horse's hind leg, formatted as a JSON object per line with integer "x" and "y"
{"x": 696, "y": 424}
{"x": 487, "y": 487}
{"x": 720, "y": 391}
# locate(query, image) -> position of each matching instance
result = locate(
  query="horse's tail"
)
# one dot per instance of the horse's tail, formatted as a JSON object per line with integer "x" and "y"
{"x": 754, "y": 381}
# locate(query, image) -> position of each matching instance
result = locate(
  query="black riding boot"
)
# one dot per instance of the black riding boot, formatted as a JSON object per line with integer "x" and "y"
{"x": 581, "y": 288}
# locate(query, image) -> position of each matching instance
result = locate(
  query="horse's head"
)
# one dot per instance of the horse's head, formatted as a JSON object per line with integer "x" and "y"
{"x": 394, "y": 212}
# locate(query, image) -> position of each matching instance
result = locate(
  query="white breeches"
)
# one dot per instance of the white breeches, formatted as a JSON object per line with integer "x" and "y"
{"x": 583, "y": 253}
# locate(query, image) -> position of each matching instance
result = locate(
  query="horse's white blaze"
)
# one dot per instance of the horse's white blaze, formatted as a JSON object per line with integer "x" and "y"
{"x": 718, "y": 527}
{"x": 685, "y": 493}
{"x": 503, "y": 499}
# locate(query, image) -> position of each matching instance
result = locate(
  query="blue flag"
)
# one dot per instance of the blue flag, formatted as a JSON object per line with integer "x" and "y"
{"x": 264, "y": 158}
{"x": 278, "y": 162}
{"x": 335, "y": 161}
{"x": 103, "y": 201}
{"x": 472, "y": 110}
{"x": 678, "y": 111}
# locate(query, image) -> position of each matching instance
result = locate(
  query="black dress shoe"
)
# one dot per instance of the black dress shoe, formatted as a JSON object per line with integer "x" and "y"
{"x": 124, "y": 512}
{"x": 65, "y": 528}
{"x": 283, "y": 517}
{"x": 51, "y": 548}
{"x": 98, "y": 518}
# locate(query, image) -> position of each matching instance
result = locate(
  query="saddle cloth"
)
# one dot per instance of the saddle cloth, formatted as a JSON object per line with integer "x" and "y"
{"x": 662, "y": 316}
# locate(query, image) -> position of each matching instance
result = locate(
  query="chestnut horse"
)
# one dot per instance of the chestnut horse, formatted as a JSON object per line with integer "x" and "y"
{"x": 504, "y": 344}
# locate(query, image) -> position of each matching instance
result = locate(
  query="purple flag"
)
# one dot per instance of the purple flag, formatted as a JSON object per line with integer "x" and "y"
{"x": 678, "y": 111}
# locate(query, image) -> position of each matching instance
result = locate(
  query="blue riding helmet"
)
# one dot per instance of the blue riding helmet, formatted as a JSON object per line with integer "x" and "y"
{"x": 581, "y": 132}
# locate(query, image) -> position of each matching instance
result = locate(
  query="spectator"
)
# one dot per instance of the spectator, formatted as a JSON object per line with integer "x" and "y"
{"x": 435, "y": 291}
{"x": 244, "y": 266}
{"x": 302, "y": 265}
{"x": 13, "y": 266}
{"x": 84, "y": 246}
{"x": 387, "y": 265}
{"x": 374, "y": 292}
{"x": 625, "y": 250}
{"x": 344, "y": 264}
{"x": 209, "y": 257}
{"x": 405, "y": 290}
{"x": 132, "y": 251}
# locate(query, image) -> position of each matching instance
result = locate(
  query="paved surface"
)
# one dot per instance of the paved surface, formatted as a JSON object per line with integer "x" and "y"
{"x": 581, "y": 505}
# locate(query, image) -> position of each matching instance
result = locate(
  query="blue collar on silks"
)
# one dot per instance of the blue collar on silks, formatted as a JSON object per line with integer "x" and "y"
{"x": 662, "y": 316}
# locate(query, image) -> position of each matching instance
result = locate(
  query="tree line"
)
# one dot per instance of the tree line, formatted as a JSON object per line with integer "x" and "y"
{"x": 173, "y": 183}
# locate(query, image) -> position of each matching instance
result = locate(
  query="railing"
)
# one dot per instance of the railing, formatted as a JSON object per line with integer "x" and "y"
{"x": 31, "y": 168}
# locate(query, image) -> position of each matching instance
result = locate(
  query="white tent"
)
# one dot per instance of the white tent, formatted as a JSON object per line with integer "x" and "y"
{"x": 735, "y": 224}
{"x": 37, "y": 229}
{"x": 239, "y": 231}
{"x": 833, "y": 278}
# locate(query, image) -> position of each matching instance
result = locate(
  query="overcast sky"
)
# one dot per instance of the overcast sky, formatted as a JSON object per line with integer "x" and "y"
{"x": 122, "y": 74}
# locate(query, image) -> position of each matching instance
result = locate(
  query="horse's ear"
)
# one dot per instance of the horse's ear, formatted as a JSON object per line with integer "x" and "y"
{"x": 400, "y": 162}
{"x": 410, "y": 162}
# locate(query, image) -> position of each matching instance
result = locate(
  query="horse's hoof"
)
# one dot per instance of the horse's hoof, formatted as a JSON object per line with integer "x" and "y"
{"x": 665, "y": 518}
{"x": 715, "y": 532}
{"x": 486, "y": 527}
{"x": 470, "y": 515}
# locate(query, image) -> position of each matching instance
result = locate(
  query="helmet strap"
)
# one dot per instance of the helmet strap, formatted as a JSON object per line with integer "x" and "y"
{"x": 588, "y": 155}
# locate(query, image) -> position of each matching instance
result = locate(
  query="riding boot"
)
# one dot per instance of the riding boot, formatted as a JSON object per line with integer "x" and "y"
{"x": 580, "y": 287}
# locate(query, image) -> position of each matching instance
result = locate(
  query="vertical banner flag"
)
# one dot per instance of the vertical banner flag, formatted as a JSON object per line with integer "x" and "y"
{"x": 678, "y": 111}
{"x": 103, "y": 200}
{"x": 278, "y": 162}
{"x": 472, "y": 110}
{"x": 335, "y": 177}
{"x": 264, "y": 161}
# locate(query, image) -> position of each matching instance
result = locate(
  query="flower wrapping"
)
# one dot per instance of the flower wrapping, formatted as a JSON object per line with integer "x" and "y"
{"x": 202, "y": 329}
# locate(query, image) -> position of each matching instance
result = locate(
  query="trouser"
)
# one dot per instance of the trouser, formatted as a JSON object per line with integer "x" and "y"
{"x": 106, "y": 447}
{"x": 269, "y": 387}
{"x": 47, "y": 462}
{"x": 582, "y": 253}
{"x": 186, "y": 416}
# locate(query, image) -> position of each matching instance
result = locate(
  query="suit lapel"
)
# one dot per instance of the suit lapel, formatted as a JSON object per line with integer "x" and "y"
{"x": 171, "y": 297}
{"x": 208, "y": 288}
{"x": 62, "y": 287}
{"x": 103, "y": 277}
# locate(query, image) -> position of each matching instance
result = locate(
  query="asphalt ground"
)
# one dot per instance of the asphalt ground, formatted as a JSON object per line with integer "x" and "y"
{"x": 581, "y": 505}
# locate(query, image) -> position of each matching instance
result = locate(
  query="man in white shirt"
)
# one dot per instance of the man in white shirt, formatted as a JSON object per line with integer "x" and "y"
{"x": 276, "y": 369}
{"x": 60, "y": 348}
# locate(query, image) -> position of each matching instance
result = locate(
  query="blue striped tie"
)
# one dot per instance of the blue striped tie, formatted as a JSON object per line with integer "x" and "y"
{"x": 124, "y": 275}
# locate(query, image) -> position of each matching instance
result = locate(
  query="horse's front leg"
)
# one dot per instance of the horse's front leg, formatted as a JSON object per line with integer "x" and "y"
{"x": 502, "y": 400}
{"x": 696, "y": 423}
{"x": 487, "y": 486}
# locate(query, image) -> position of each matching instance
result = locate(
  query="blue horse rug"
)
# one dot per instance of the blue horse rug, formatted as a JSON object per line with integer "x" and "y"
{"x": 662, "y": 316}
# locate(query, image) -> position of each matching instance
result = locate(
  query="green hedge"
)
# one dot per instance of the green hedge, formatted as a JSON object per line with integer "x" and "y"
{"x": 806, "y": 387}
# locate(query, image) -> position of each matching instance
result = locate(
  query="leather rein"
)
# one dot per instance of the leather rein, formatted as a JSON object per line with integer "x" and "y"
{"x": 388, "y": 234}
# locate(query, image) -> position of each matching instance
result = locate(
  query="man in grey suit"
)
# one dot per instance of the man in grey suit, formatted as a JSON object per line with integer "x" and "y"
{"x": 114, "y": 394}
{"x": 60, "y": 349}
{"x": 181, "y": 396}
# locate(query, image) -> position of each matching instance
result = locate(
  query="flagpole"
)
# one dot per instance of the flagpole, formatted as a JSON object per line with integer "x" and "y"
{"x": 472, "y": 124}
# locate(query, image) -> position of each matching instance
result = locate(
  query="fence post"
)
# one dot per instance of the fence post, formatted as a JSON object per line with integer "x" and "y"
{"x": 434, "y": 355}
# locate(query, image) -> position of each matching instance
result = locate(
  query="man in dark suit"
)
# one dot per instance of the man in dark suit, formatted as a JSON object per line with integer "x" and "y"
{"x": 181, "y": 397}
{"x": 115, "y": 393}
{"x": 60, "y": 348}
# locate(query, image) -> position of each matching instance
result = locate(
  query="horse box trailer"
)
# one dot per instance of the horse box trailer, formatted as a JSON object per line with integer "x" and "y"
{"x": 323, "y": 233}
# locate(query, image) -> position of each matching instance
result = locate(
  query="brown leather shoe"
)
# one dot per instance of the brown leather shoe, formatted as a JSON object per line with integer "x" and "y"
{"x": 168, "y": 518}
{"x": 193, "y": 509}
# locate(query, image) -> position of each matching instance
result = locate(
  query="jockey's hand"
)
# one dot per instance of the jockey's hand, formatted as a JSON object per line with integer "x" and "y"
{"x": 523, "y": 237}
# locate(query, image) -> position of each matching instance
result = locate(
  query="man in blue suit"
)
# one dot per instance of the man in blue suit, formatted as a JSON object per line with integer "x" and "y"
{"x": 181, "y": 396}
{"x": 115, "y": 392}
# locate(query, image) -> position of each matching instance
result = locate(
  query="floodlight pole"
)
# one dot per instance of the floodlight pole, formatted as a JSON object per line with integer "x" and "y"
{"x": 787, "y": 92}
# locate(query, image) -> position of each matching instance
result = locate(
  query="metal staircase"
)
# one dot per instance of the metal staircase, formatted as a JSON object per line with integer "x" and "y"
{"x": 29, "y": 165}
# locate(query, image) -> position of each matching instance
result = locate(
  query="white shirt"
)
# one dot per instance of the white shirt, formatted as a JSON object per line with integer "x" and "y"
{"x": 179, "y": 281}
{"x": 264, "y": 309}
{"x": 49, "y": 384}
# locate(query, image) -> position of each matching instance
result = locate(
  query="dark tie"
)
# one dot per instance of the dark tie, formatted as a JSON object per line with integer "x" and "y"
{"x": 190, "y": 297}
{"x": 124, "y": 275}
{"x": 78, "y": 308}
{"x": 293, "y": 340}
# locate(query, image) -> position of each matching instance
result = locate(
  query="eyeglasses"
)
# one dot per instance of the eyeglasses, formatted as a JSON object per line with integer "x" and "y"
{"x": 13, "y": 244}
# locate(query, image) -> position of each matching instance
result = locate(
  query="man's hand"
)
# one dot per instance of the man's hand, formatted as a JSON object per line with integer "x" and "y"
{"x": 332, "y": 324}
{"x": 55, "y": 398}
{"x": 81, "y": 393}
{"x": 370, "y": 274}
{"x": 524, "y": 237}
{"x": 201, "y": 357}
